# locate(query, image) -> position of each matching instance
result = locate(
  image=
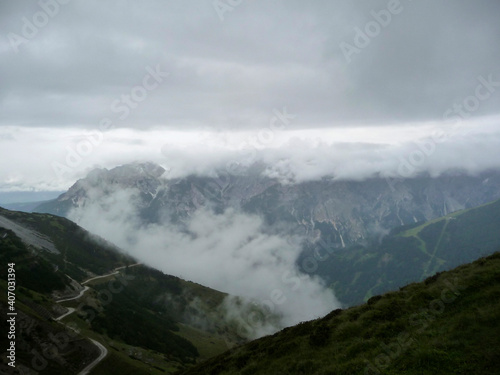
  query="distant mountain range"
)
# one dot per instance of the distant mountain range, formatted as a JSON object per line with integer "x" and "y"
{"x": 23, "y": 206}
{"x": 357, "y": 233}
{"x": 26, "y": 201}
{"x": 363, "y": 238}
{"x": 345, "y": 212}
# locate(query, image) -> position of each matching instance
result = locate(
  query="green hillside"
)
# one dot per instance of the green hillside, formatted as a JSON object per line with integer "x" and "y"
{"x": 149, "y": 322}
{"x": 81, "y": 254}
{"x": 152, "y": 323}
{"x": 449, "y": 324}
{"x": 412, "y": 253}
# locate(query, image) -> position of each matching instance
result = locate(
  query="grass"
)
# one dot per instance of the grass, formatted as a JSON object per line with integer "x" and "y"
{"x": 123, "y": 358}
{"x": 208, "y": 345}
{"x": 140, "y": 326}
{"x": 416, "y": 230}
{"x": 412, "y": 253}
{"x": 449, "y": 324}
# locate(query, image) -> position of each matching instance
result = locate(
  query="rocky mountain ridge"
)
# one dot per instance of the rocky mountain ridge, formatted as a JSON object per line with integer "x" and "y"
{"x": 347, "y": 212}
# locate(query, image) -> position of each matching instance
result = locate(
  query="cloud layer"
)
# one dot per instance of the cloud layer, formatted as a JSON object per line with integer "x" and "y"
{"x": 231, "y": 252}
{"x": 313, "y": 89}
{"x": 231, "y": 71}
{"x": 49, "y": 159}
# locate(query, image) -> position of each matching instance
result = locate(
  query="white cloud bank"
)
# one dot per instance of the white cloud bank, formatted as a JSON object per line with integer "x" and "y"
{"x": 230, "y": 252}
{"x": 53, "y": 159}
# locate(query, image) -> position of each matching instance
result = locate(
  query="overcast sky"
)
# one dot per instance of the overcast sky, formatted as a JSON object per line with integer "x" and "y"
{"x": 162, "y": 76}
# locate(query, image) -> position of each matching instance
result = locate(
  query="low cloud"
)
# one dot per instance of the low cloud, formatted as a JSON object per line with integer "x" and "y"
{"x": 231, "y": 251}
{"x": 470, "y": 146}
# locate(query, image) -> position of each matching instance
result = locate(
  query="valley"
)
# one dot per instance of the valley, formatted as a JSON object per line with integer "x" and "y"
{"x": 348, "y": 212}
{"x": 82, "y": 287}
{"x": 229, "y": 187}
{"x": 447, "y": 324}
{"x": 408, "y": 253}
{"x": 361, "y": 237}
{"x": 102, "y": 309}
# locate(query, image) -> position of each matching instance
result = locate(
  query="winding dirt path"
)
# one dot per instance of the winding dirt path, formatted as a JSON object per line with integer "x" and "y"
{"x": 109, "y": 274}
{"x": 76, "y": 297}
{"x": 104, "y": 353}
{"x": 71, "y": 310}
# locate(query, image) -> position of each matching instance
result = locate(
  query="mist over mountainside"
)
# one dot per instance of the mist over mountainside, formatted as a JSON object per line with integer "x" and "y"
{"x": 181, "y": 178}
{"x": 407, "y": 254}
{"x": 65, "y": 274}
{"x": 349, "y": 212}
{"x": 250, "y": 235}
{"x": 447, "y": 324}
{"x": 227, "y": 250}
{"x": 245, "y": 252}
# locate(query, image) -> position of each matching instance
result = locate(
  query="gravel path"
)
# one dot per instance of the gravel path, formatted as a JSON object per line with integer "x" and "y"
{"x": 76, "y": 297}
{"x": 104, "y": 353}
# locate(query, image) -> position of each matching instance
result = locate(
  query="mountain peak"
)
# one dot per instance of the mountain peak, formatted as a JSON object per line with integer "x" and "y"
{"x": 137, "y": 168}
{"x": 144, "y": 176}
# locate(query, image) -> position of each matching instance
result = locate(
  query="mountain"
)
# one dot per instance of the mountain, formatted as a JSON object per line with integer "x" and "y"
{"x": 78, "y": 297}
{"x": 73, "y": 280}
{"x": 361, "y": 237}
{"x": 448, "y": 324}
{"x": 26, "y": 201}
{"x": 22, "y": 206}
{"x": 343, "y": 212}
{"x": 145, "y": 177}
{"x": 409, "y": 253}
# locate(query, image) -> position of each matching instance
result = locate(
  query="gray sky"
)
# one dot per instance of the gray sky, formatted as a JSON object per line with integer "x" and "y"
{"x": 65, "y": 68}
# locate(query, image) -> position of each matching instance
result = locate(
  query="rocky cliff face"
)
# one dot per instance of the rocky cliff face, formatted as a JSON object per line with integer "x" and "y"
{"x": 142, "y": 176}
{"x": 347, "y": 212}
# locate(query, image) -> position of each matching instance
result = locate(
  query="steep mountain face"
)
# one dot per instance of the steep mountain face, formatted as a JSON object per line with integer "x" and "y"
{"x": 448, "y": 324}
{"x": 343, "y": 228}
{"x": 345, "y": 212}
{"x": 409, "y": 253}
{"x": 145, "y": 177}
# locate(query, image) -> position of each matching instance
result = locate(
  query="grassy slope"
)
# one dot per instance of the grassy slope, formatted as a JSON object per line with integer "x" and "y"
{"x": 147, "y": 298}
{"x": 449, "y": 324}
{"x": 81, "y": 253}
{"x": 36, "y": 279}
{"x": 35, "y": 335}
{"x": 124, "y": 358}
